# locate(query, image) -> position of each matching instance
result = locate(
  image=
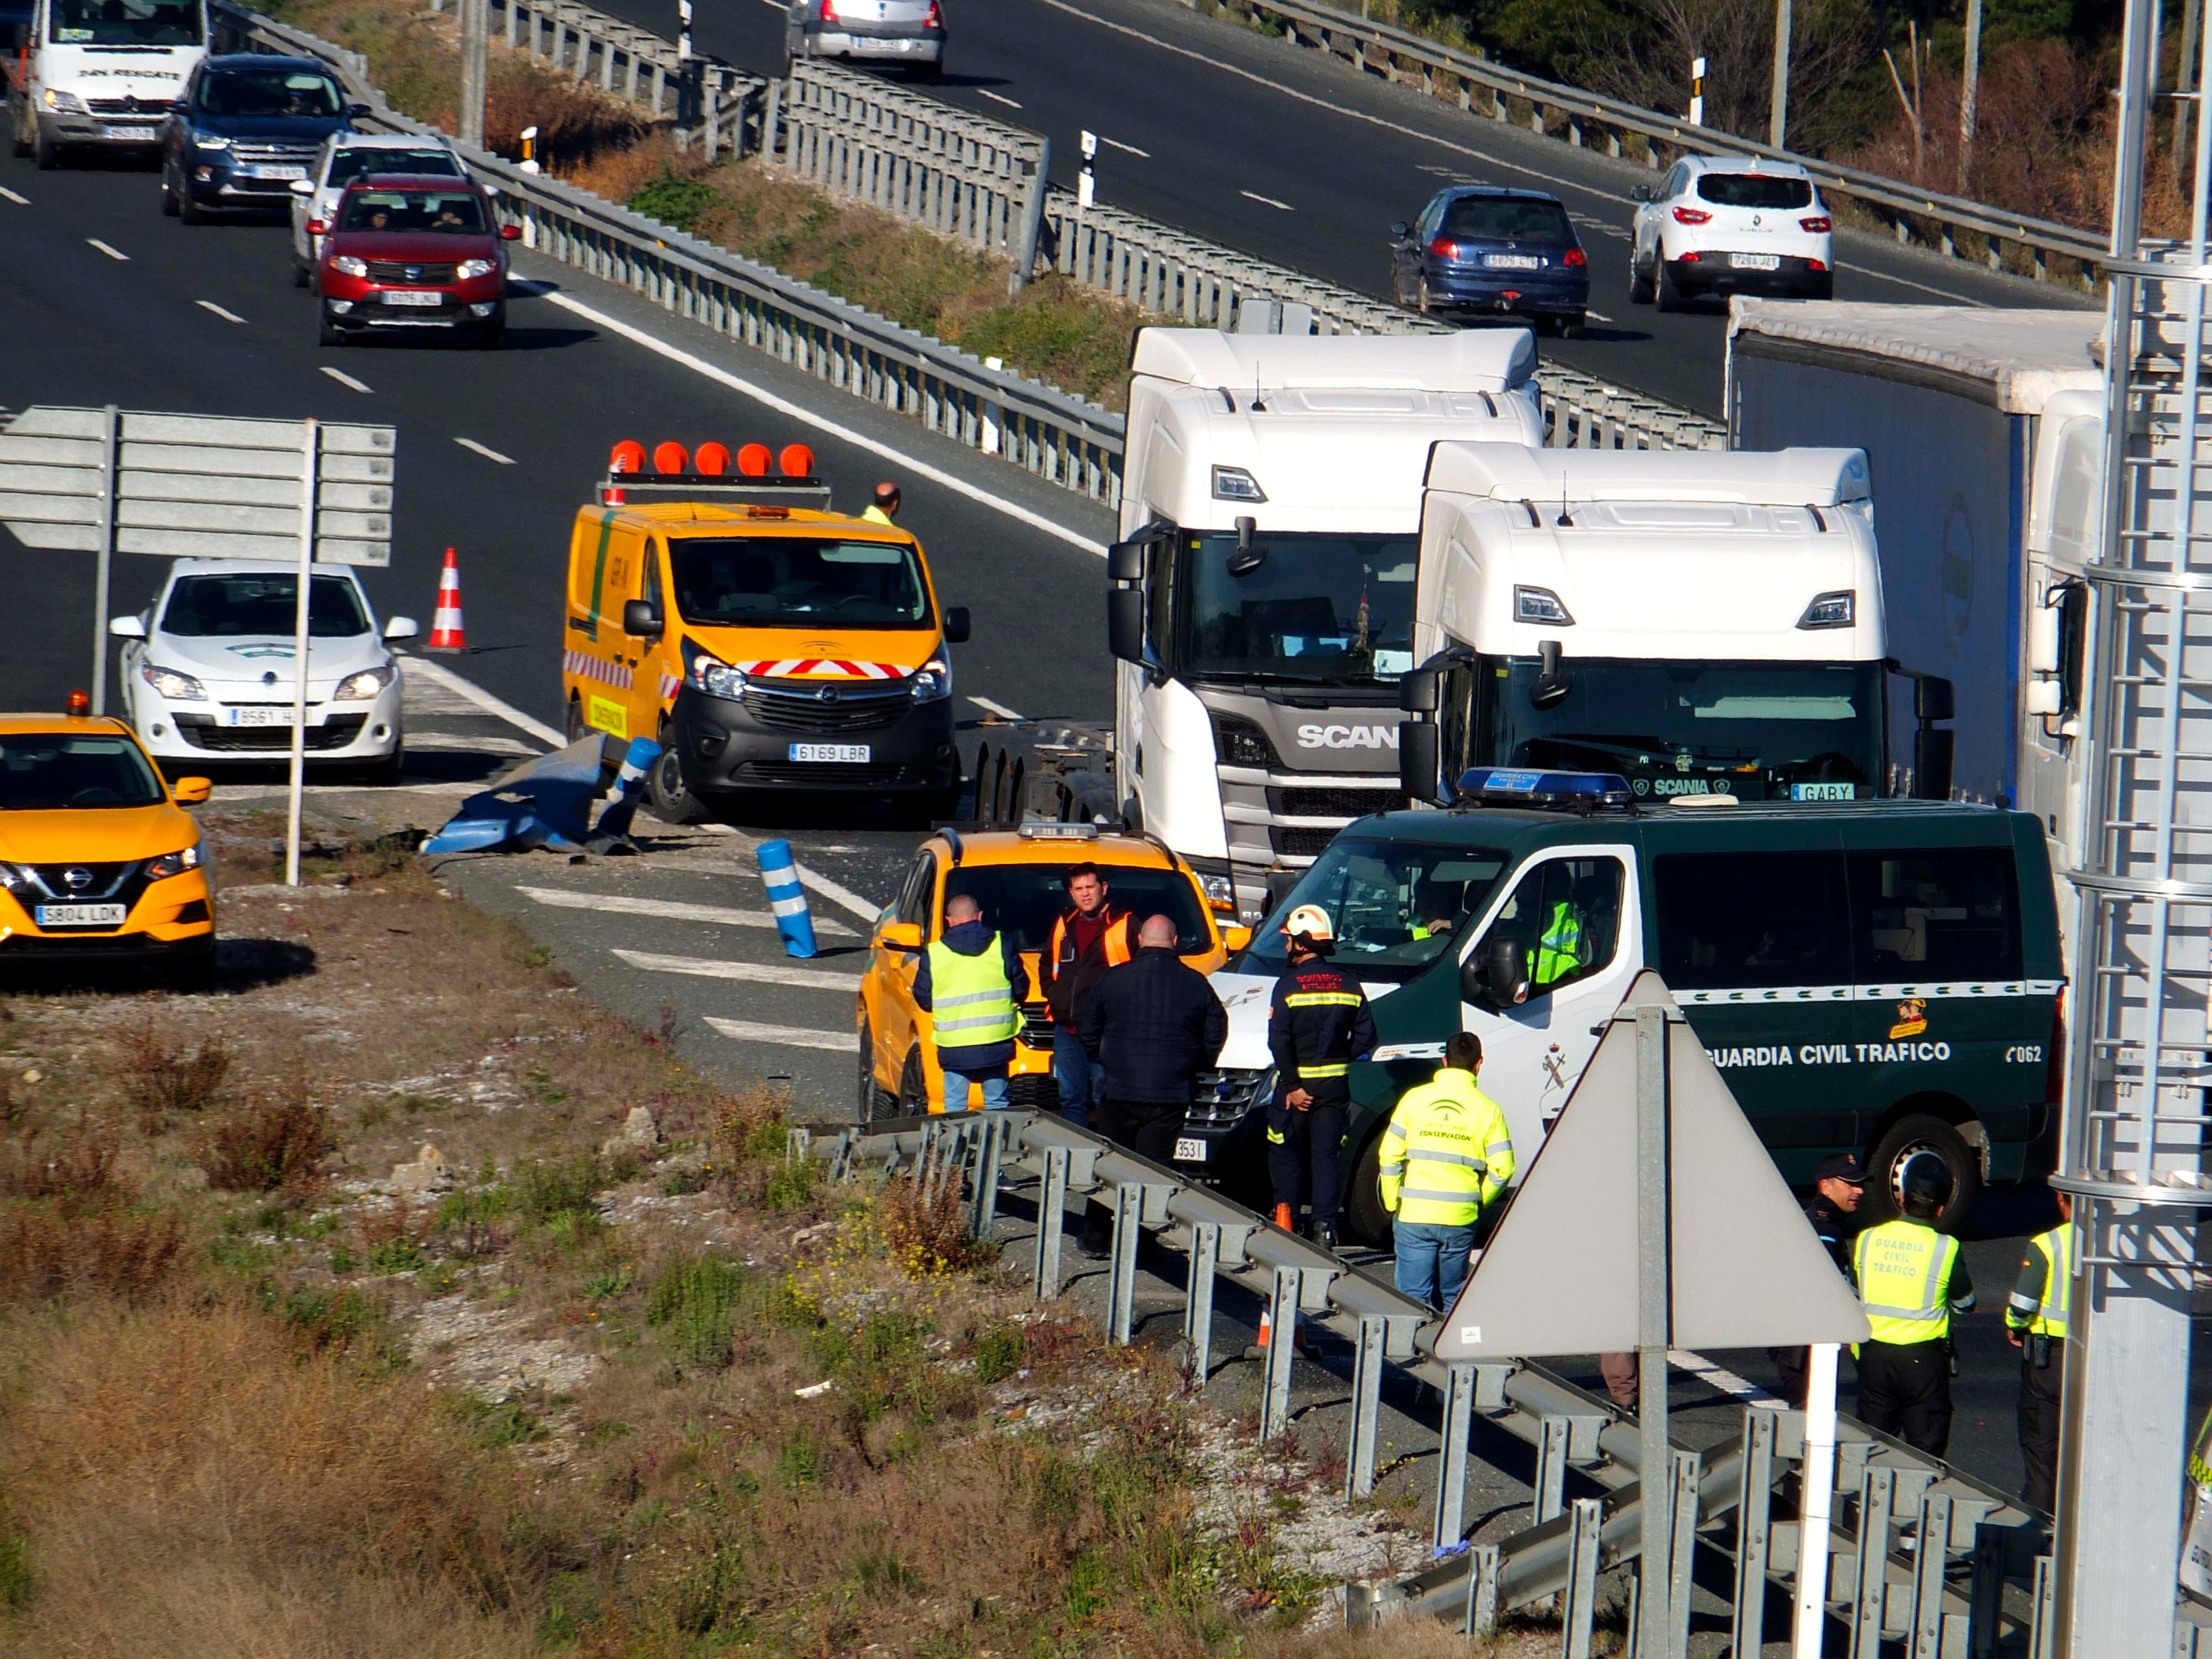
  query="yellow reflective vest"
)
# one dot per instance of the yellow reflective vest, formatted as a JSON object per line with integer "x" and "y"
{"x": 875, "y": 515}
{"x": 1904, "y": 1275}
{"x": 2039, "y": 1301}
{"x": 1558, "y": 953}
{"x": 1446, "y": 1154}
{"x": 970, "y": 1000}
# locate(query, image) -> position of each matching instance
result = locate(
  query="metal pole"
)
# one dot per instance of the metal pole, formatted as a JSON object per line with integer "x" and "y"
{"x": 1969, "y": 92}
{"x": 1654, "y": 1320}
{"x": 1697, "y": 92}
{"x": 2187, "y": 82}
{"x": 308, "y": 468}
{"x": 110, "y": 452}
{"x": 476, "y": 36}
{"x": 1777, "y": 126}
{"x": 1817, "y": 1494}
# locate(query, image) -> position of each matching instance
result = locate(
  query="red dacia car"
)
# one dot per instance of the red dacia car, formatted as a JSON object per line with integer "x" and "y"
{"x": 404, "y": 252}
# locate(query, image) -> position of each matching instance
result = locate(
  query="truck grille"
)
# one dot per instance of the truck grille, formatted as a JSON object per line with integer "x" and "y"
{"x": 791, "y": 708}
{"x": 1221, "y": 1099}
{"x": 1291, "y": 841}
{"x": 1333, "y": 803}
{"x": 151, "y": 110}
{"x": 398, "y": 270}
{"x": 827, "y": 774}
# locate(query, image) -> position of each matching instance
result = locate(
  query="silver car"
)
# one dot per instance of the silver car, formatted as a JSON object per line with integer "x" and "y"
{"x": 345, "y": 157}
{"x": 878, "y": 31}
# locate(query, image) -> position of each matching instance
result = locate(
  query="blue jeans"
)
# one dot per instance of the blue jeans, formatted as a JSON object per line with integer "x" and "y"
{"x": 993, "y": 1082}
{"x": 1432, "y": 1261}
{"x": 1082, "y": 1079}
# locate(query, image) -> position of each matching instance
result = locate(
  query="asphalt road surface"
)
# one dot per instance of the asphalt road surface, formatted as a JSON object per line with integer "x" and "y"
{"x": 1282, "y": 153}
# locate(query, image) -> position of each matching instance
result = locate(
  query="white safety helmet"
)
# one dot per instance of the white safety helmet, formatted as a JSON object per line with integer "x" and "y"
{"x": 1310, "y": 923}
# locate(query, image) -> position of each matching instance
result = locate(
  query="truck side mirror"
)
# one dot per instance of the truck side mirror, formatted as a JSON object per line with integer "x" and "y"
{"x": 1125, "y": 623}
{"x": 641, "y": 619}
{"x": 1125, "y": 561}
{"x": 1418, "y": 755}
{"x": 1418, "y": 691}
{"x": 1932, "y": 699}
{"x": 956, "y": 625}
{"x": 1932, "y": 749}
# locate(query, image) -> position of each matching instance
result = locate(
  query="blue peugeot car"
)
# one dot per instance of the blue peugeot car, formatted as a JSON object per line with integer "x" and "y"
{"x": 1485, "y": 248}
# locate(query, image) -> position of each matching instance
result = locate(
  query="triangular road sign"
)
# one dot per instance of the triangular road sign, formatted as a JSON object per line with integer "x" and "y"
{"x": 1560, "y": 1273}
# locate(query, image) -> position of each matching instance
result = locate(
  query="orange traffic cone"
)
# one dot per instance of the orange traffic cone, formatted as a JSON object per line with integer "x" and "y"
{"x": 448, "y": 632}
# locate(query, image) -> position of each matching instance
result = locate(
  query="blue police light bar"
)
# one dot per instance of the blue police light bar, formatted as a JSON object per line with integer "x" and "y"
{"x": 1505, "y": 785}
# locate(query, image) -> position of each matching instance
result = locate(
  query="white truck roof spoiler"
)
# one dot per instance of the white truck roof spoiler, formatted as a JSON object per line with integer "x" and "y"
{"x": 1473, "y": 359}
{"x": 1781, "y": 478}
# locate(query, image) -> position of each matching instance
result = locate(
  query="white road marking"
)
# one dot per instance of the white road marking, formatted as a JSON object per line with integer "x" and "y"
{"x": 1925, "y": 287}
{"x": 1266, "y": 201}
{"x": 20, "y": 201}
{"x": 997, "y": 99}
{"x": 998, "y": 709}
{"x": 837, "y": 895}
{"x": 454, "y": 743}
{"x": 564, "y": 898}
{"x": 1595, "y": 316}
{"x": 794, "y": 1036}
{"x": 785, "y": 407}
{"x": 489, "y": 454}
{"x": 228, "y": 316}
{"x": 113, "y": 253}
{"x": 1115, "y": 144}
{"x": 761, "y": 973}
{"x": 345, "y": 378}
{"x": 438, "y": 674}
{"x": 1682, "y": 1360}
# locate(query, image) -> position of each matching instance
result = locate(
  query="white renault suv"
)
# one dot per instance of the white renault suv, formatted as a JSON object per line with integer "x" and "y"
{"x": 207, "y": 668}
{"x": 1730, "y": 224}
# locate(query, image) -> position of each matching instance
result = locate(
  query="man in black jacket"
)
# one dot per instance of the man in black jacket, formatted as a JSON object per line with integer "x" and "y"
{"x": 1153, "y": 1025}
{"x": 1318, "y": 1024}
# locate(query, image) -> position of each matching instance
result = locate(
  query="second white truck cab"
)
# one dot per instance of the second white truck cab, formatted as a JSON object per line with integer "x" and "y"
{"x": 101, "y": 75}
{"x": 1263, "y": 610}
{"x": 1700, "y": 623}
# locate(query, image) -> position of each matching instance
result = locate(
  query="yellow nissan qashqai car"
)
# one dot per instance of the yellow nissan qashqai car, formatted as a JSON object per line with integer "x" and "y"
{"x": 99, "y": 861}
{"x": 1019, "y": 878}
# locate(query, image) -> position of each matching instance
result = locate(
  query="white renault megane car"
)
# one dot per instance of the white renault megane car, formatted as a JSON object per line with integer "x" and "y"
{"x": 208, "y": 667}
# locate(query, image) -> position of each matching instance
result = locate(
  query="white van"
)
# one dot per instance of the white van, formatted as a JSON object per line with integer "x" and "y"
{"x": 102, "y": 74}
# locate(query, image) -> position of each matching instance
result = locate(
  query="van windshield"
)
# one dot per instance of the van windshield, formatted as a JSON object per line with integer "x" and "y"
{"x": 126, "y": 23}
{"x": 1396, "y": 906}
{"x": 1024, "y": 900}
{"x": 1758, "y": 730}
{"x": 797, "y": 581}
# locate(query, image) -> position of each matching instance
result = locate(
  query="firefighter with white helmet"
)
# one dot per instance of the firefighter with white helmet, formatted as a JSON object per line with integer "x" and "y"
{"x": 1318, "y": 1022}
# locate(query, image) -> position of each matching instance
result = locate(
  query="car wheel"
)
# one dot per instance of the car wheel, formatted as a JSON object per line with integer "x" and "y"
{"x": 1572, "y": 327}
{"x": 299, "y": 275}
{"x": 913, "y": 1086}
{"x": 1670, "y": 297}
{"x": 1919, "y": 1140}
{"x": 673, "y": 802}
{"x": 875, "y": 1102}
{"x": 1639, "y": 282}
{"x": 188, "y": 211}
{"x": 1824, "y": 287}
{"x": 328, "y": 332}
{"x": 1363, "y": 1204}
{"x": 385, "y": 774}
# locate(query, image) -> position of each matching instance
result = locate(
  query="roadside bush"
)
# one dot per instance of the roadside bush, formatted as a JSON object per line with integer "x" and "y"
{"x": 52, "y": 1249}
{"x": 683, "y": 202}
{"x": 77, "y": 1162}
{"x": 275, "y": 1141}
{"x": 928, "y": 1234}
{"x": 695, "y": 1303}
{"x": 160, "y": 1074}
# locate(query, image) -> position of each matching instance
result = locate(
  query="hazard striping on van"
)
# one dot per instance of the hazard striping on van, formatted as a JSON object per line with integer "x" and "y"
{"x": 1753, "y": 996}
{"x": 791, "y": 668}
{"x": 585, "y": 665}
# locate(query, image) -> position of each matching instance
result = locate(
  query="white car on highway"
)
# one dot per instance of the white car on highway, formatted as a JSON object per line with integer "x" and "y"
{"x": 1730, "y": 224}
{"x": 346, "y": 156}
{"x": 208, "y": 667}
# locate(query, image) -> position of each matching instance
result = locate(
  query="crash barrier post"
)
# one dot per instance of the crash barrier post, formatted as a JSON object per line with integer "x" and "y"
{"x": 786, "y": 896}
{"x": 1583, "y": 1550}
{"x": 1987, "y": 1541}
{"x": 1366, "y": 1403}
{"x": 1753, "y": 1514}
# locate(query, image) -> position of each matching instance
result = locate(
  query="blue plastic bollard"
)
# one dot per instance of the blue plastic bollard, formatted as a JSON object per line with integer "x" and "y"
{"x": 622, "y": 800}
{"x": 787, "y": 898}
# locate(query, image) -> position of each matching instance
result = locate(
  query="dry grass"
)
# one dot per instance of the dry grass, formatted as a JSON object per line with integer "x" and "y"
{"x": 160, "y": 1074}
{"x": 928, "y": 1231}
{"x": 275, "y": 1141}
{"x": 54, "y": 1250}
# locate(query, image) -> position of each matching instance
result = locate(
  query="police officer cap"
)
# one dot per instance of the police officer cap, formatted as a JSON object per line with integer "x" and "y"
{"x": 1840, "y": 1166}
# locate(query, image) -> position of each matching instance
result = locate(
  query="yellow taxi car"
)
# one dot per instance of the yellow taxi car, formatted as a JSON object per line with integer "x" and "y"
{"x": 767, "y": 644}
{"x": 1018, "y": 877}
{"x": 99, "y": 862}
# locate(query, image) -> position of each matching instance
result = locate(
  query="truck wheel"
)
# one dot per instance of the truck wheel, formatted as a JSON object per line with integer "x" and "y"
{"x": 1670, "y": 297}
{"x": 673, "y": 802}
{"x": 18, "y": 134}
{"x": 875, "y": 1102}
{"x": 1917, "y": 1140}
{"x": 1362, "y": 1206}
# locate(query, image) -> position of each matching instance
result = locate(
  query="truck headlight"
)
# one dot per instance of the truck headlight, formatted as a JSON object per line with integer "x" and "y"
{"x": 360, "y": 688}
{"x": 1220, "y": 892}
{"x": 174, "y": 863}
{"x": 64, "y": 103}
{"x": 933, "y": 682}
{"x": 717, "y": 679}
{"x": 346, "y": 266}
{"x": 469, "y": 267}
{"x": 1836, "y": 610}
{"x": 178, "y": 688}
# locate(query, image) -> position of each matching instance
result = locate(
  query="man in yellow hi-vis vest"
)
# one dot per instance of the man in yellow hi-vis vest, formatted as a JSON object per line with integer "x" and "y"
{"x": 970, "y": 980}
{"x": 1558, "y": 952}
{"x": 2035, "y": 1324}
{"x": 1911, "y": 1279}
{"x": 1445, "y": 1158}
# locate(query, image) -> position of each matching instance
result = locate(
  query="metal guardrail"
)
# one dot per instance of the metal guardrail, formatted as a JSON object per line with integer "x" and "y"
{"x": 633, "y": 64}
{"x": 1941, "y": 1603}
{"x": 1574, "y": 117}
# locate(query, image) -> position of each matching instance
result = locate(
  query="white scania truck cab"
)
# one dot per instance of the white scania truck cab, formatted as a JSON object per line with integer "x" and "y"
{"x": 102, "y": 74}
{"x": 1262, "y": 608}
{"x": 1700, "y": 623}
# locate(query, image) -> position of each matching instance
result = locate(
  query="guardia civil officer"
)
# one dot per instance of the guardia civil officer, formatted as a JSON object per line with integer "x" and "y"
{"x": 2035, "y": 1324}
{"x": 1837, "y": 1186}
{"x": 1318, "y": 1024}
{"x": 1911, "y": 1279}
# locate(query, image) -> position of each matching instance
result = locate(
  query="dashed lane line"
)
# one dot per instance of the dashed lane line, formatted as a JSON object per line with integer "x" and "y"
{"x": 226, "y": 315}
{"x": 438, "y": 674}
{"x": 785, "y": 407}
{"x": 20, "y": 201}
{"x": 792, "y": 1037}
{"x": 998, "y": 709}
{"x": 489, "y": 453}
{"x": 758, "y": 973}
{"x": 1115, "y": 144}
{"x": 112, "y": 252}
{"x": 1719, "y": 1377}
{"x": 1266, "y": 201}
{"x": 460, "y": 744}
{"x": 997, "y": 97}
{"x": 837, "y": 895}
{"x": 346, "y": 380}
{"x": 723, "y": 915}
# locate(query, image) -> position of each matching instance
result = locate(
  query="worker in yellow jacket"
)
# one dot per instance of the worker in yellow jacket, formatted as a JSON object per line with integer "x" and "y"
{"x": 1446, "y": 1157}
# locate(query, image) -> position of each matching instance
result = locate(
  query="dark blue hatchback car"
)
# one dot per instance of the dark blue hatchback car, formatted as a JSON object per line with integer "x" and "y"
{"x": 1484, "y": 248}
